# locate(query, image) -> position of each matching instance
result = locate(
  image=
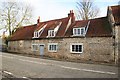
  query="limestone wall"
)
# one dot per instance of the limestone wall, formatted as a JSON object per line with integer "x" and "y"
{"x": 95, "y": 49}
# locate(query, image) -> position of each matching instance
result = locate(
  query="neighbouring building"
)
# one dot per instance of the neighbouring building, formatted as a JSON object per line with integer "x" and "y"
{"x": 114, "y": 19}
{"x": 95, "y": 39}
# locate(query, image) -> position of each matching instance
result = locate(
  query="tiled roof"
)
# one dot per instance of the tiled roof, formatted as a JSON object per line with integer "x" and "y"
{"x": 52, "y": 24}
{"x": 116, "y": 13}
{"x": 98, "y": 27}
{"x": 24, "y": 33}
{"x": 81, "y": 23}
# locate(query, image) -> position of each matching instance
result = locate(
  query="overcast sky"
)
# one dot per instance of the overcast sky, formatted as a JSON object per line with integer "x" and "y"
{"x": 54, "y": 9}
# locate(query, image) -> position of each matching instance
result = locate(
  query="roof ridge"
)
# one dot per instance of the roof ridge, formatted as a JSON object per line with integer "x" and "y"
{"x": 115, "y": 5}
{"x": 53, "y": 20}
{"x": 91, "y": 19}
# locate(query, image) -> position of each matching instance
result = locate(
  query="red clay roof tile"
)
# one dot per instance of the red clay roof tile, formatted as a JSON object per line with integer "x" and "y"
{"x": 116, "y": 13}
{"x": 98, "y": 27}
{"x": 24, "y": 33}
{"x": 80, "y": 23}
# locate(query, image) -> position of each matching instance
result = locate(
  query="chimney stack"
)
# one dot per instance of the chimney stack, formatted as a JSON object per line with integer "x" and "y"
{"x": 38, "y": 20}
{"x": 71, "y": 14}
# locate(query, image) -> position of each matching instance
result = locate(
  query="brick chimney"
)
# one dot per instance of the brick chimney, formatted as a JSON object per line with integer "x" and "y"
{"x": 71, "y": 14}
{"x": 38, "y": 20}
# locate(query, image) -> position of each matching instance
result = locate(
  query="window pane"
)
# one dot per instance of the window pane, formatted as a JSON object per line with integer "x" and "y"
{"x": 52, "y": 47}
{"x": 52, "y": 33}
{"x": 35, "y": 34}
{"x": 75, "y": 31}
{"x": 78, "y": 31}
{"x": 76, "y": 48}
{"x": 82, "y": 30}
{"x": 72, "y": 48}
{"x": 80, "y": 48}
{"x": 55, "y": 47}
{"x": 35, "y": 47}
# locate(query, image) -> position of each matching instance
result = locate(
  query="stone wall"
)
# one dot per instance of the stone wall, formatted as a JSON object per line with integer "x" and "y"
{"x": 95, "y": 49}
{"x": 117, "y": 41}
{"x": 21, "y": 46}
{"x": 115, "y": 31}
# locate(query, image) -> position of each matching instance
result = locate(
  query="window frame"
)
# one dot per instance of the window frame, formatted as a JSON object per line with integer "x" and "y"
{"x": 49, "y": 44}
{"x": 21, "y": 43}
{"x": 76, "y": 44}
{"x": 35, "y": 45}
{"x": 75, "y": 31}
{"x": 36, "y": 34}
{"x": 50, "y": 32}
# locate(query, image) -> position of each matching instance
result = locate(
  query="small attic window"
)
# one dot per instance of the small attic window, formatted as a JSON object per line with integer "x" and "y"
{"x": 78, "y": 31}
{"x": 35, "y": 34}
{"x": 51, "y": 33}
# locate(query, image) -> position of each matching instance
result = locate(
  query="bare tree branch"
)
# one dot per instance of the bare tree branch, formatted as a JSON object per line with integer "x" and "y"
{"x": 86, "y": 10}
{"x": 14, "y": 15}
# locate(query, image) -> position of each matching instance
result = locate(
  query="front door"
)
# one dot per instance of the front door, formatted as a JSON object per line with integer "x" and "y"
{"x": 41, "y": 50}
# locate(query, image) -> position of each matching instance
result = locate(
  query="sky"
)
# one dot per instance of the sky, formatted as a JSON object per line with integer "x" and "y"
{"x": 55, "y": 9}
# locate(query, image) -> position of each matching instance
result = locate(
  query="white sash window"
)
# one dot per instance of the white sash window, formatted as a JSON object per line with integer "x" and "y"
{"x": 51, "y": 33}
{"x": 78, "y": 31}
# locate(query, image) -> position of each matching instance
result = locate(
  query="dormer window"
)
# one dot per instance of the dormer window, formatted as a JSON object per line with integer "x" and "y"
{"x": 35, "y": 34}
{"x": 51, "y": 33}
{"x": 78, "y": 31}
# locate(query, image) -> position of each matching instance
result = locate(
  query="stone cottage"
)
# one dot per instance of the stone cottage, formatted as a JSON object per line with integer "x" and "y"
{"x": 114, "y": 19}
{"x": 95, "y": 39}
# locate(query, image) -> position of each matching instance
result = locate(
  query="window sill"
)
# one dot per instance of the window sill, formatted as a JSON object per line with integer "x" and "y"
{"x": 35, "y": 50}
{"x": 53, "y": 51}
{"x": 50, "y": 36}
{"x": 76, "y": 52}
{"x": 78, "y": 35}
{"x": 35, "y": 37}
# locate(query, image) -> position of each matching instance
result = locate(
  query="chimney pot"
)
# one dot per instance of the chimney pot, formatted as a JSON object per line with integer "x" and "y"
{"x": 71, "y": 14}
{"x": 71, "y": 11}
{"x": 38, "y": 21}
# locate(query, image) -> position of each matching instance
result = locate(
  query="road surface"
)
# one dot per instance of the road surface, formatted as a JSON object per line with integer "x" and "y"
{"x": 29, "y": 67}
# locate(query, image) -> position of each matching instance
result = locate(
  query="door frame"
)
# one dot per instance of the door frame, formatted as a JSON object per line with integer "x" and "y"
{"x": 43, "y": 50}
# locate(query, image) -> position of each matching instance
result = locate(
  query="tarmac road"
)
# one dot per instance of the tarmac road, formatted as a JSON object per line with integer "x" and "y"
{"x": 29, "y": 67}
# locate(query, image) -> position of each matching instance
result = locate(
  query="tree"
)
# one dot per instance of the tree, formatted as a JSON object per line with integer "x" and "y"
{"x": 14, "y": 15}
{"x": 119, "y": 3}
{"x": 86, "y": 10}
